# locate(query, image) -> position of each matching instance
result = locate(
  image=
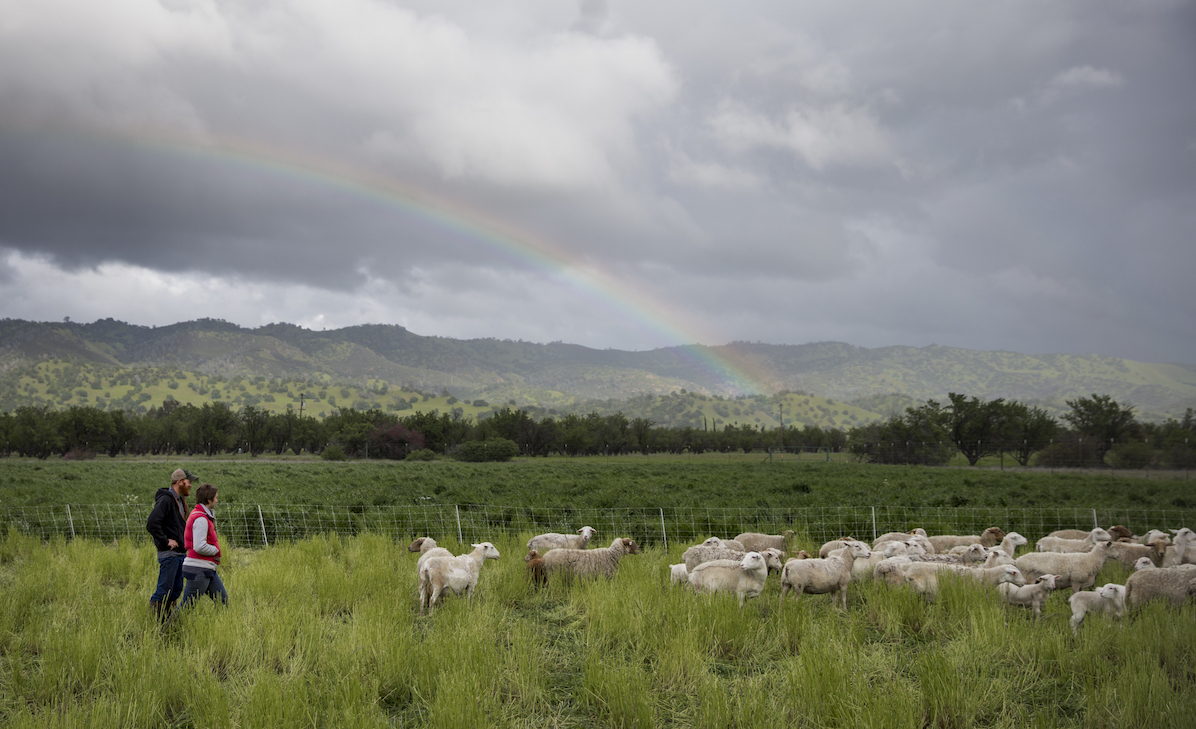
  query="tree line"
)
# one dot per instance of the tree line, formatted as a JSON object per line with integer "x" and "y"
{"x": 1094, "y": 432}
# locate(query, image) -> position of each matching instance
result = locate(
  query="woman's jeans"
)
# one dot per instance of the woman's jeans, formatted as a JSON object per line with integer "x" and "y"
{"x": 204, "y": 583}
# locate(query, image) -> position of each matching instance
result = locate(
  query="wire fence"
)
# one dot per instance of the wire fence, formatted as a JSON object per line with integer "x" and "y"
{"x": 260, "y": 525}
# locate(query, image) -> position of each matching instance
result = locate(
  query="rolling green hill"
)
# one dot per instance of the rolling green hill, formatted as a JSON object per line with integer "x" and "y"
{"x": 116, "y": 365}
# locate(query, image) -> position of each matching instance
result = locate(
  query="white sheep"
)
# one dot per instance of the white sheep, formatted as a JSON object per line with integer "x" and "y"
{"x": 1093, "y": 535}
{"x": 923, "y": 576}
{"x": 997, "y": 556}
{"x": 1062, "y": 545}
{"x": 700, "y": 553}
{"x": 1109, "y": 598}
{"x": 1071, "y": 570}
{"x": 1011, "y": 542}
{"x": 426, "y": 546}
{"x": 989, "y": 538}
{"x": 898, "y": 536}
{"x": 1154, "y": 535}
{"x": 744, "y": 577}
{"x": 678, "y": 574}
{"x": 456, "y": 574}
{"x": 1033, "y": 596}
{"x": 822, "y": 575}
{"x": 826, "y": 549}
{"x": 865, "y": 569}
{"x": 542, "y": 543}
{"x": 1182, "y": 550}
{"x": 725, "y": 544}
{"x": 757, "y": 542}
{"x": 1128, "y": 553}
{"x": 1175, "y": 585}
{"x": 590, "y": 562}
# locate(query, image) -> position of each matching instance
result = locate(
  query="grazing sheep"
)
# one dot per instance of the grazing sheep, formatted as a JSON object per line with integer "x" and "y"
{"x": 1152, "y": 536}
{"x": 898, "y": 536}
{"x": 744, "y": 577}
{"x": 865, "y": 569}
{"x": 1175, "y": 585}
{"x": 456, "y": 574}
{"x": 891, "y": 570}
{"x": 820, "y": 576}
{"x": 590, "y": 562}
{"x": 989, "y": 538}
{"x": 535, "y": 568}
{"x": 997, "y": 556}
{"x": 426, "y": 546}
{"x": 542, "y": 543}
{"x": 1109, "y": 598}
{"x": 678, "y": 574}
{"x": 923, "y": 576}
{"x": 972, "y": 554}
{"x": 1127, "y": 553}
{"x": 1071, "y": 570}
{"x": 1033, "y": 596}
{"x": 757, "y": 542}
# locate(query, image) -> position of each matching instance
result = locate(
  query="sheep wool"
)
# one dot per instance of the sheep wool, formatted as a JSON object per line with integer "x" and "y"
{"x": 823, "y": 575}
{"x": 456, "y": 574}
{"x": 542, "y": 543}
{"x": 1171, "y": 584}
{"x": 1076, "y": 571}
{"x": 757, "y": 542}
{"x": 1109, "y": 598}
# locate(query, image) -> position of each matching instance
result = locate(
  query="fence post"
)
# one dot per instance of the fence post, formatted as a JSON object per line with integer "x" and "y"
{"x": 71, "y": 520}
{"x": 1095, "y": 524}
{"x": 873, "y": 524}
{"x": 460, "y": 539}
{"x": 664, "y": 533}
{"x": 262, "y": 521}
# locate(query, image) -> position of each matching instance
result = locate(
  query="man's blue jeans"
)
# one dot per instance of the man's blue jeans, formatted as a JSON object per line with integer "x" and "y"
{"x": 170, "y": 577}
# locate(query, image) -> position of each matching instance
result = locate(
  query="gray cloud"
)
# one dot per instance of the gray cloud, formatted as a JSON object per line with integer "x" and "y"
{"x": 617, "y": 174}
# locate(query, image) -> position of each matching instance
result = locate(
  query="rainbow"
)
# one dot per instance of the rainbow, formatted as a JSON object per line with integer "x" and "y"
{"x": 736, "y": 373}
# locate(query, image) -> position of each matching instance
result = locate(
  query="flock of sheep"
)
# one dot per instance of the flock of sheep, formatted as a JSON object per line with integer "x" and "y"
{"x": 1164, "y": 564}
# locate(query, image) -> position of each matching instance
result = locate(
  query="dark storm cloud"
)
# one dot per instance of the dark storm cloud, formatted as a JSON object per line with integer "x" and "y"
{"x": 1014, "y": 175}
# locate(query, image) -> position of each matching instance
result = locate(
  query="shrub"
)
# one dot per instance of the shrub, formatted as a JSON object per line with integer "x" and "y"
{"x": 333, "y": 453}
{"x": 494, "y": 449}
{"x": 79, "y": 454}
{"x": 423, "y": 454}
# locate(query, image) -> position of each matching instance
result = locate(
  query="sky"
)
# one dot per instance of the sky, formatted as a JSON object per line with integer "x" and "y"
{"x": 631, "y": 174}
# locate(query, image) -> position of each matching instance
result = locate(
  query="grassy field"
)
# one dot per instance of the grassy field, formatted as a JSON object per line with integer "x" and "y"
{"x": 326, "y": 632}
{"x": 630, "y": 481}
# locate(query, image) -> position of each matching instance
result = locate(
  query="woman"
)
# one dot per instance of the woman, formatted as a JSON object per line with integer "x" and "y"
{"x": 203, "y": 550}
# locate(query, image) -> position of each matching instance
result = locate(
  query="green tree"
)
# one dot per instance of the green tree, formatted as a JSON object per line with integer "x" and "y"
{"x": 978, "y": 428}
{"x": 1104, "y": 421}
{"x": 1030, "y": 430}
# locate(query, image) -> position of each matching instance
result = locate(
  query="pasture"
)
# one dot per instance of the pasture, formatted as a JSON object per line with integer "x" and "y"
{"x": 325, "y": 632}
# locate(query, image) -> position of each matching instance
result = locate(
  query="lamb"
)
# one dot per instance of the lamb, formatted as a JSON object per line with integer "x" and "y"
{"x": 1174, "y": 585}
{"x": 1033, "y": 596}
{"x": 1109, "y": 598}
{"x": 426, "y": 546}
{"x": 535, "y": 568}
{"x": 1071, "y": 570}
{"x": 678, "y": 574}
{"x": 923, "y": 576}
{"x": 744, "y": 577}
{"x": 1127, "y": 553}
{"x": 866, "y": 568}
{"x": 542, "y": 543}
{"x": 989, "y": 538}
{"x": 590, "y": 562}
{"x": 757, "y": 542}
{"x": 820, "y": 576}
{"x": 997, "y": 556}
{"x": 456, "y": 574}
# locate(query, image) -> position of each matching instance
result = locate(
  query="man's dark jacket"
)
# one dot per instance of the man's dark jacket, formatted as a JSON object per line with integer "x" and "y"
{"x": 165, "y": 521}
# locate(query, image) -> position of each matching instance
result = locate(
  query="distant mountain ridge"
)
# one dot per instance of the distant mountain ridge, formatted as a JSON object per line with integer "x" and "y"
{"x": 553, "y": 374}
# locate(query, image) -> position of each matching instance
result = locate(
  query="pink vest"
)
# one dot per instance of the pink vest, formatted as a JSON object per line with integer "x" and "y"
{"x": 189, "y": 540}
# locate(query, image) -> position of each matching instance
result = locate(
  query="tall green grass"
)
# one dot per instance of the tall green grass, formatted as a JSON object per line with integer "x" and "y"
{"x": 326, "y": 632}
